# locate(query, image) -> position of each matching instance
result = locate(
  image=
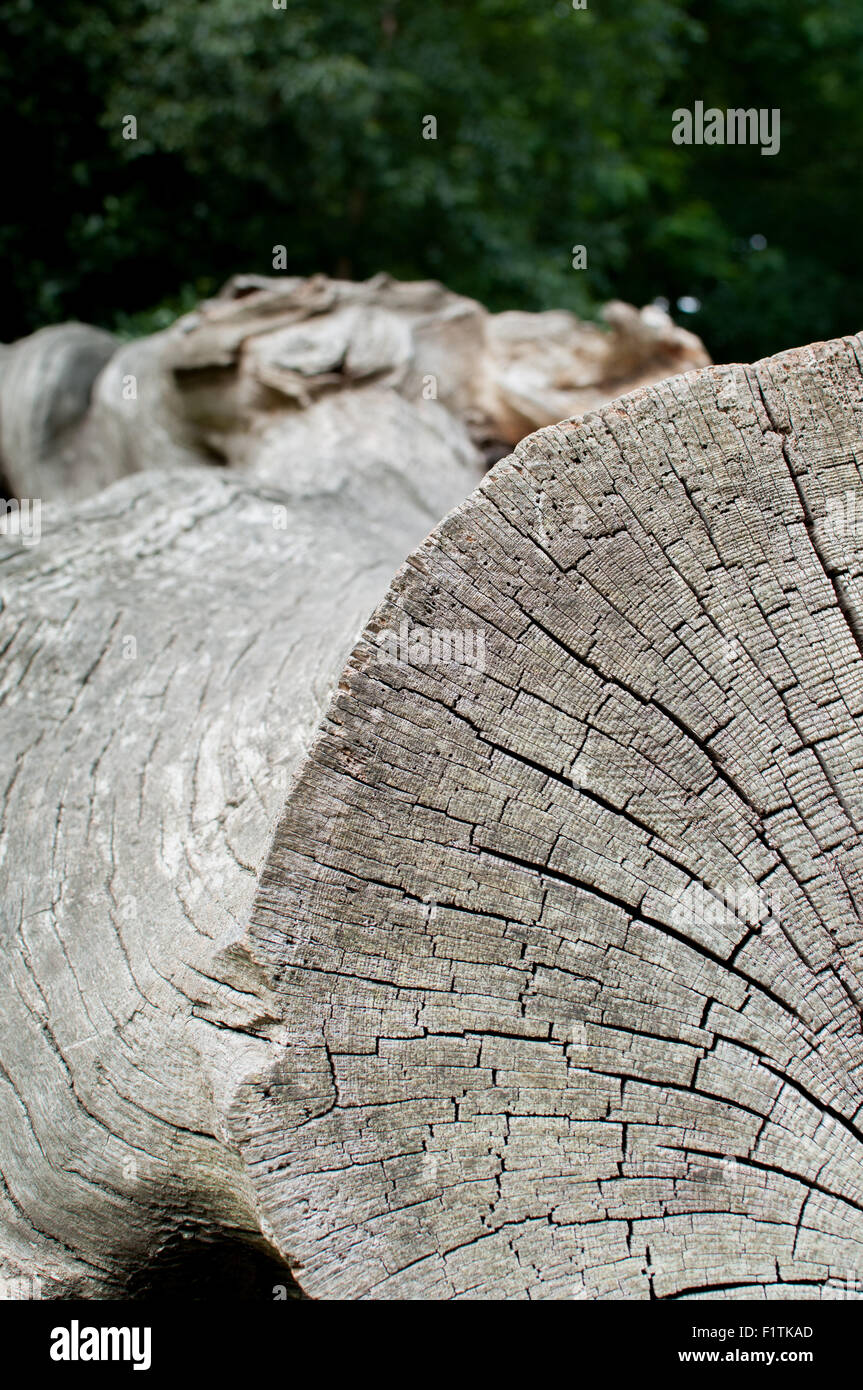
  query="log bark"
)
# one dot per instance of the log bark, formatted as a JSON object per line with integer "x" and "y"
{"x": 549, "y": 983}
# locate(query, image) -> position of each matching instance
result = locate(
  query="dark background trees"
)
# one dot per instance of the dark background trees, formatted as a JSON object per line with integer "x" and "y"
{"x": 259, "y": 126}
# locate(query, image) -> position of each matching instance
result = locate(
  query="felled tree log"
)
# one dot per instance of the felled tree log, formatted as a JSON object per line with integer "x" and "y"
{"x": 46, "y": 382}
{"x": 251, "y": 375}
{"x": 570, "y": 946}
{"x": 168, "y": 651}
{"x": 551, "y": 982}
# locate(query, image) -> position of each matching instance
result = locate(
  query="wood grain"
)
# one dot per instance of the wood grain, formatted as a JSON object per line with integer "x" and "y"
{"x": 532, "y": 1049}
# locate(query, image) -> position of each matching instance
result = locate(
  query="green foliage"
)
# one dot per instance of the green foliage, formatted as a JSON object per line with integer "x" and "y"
{"x": 260, "y": 126}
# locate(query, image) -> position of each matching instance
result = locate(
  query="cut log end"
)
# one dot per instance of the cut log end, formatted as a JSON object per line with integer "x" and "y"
{"x": 565, "y": 906}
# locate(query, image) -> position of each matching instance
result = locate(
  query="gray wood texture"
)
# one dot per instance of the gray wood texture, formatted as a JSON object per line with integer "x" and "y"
{"x": 548, "y": 984}
{"x": 570, "y": 948}
{"x": 167, "y": 651}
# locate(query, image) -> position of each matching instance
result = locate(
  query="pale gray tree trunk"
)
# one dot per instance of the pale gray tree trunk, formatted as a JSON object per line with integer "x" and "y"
{"x": 549, "y": 982}
{"x": 168, "y": 650}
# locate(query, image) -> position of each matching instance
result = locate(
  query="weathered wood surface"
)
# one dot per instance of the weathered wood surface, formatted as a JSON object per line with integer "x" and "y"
{"x": 570, "y": 948}
{"x": 550, "y": 984}
{"x": 168, "y": 650}
{"x": 270, "y": 365}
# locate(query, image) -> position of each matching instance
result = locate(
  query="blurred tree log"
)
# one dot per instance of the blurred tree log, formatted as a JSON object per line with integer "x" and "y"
{"x": 279, "y": 377}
